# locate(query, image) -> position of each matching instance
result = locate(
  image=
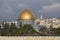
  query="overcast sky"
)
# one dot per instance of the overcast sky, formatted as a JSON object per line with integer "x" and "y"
{"x": 9, "y": 9}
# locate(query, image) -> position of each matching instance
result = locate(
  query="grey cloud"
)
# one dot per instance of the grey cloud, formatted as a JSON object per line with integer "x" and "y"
{"x": 51, "y": 10}
{"x": 9, "y": 9}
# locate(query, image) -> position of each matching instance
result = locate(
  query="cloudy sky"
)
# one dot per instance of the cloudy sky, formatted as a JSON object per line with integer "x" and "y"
{"x": 9, "y": 9}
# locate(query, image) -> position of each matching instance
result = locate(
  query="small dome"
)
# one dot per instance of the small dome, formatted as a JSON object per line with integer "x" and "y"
{"x": 26, "y": 15}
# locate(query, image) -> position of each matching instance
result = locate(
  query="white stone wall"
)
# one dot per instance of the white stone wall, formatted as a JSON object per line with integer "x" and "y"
{"x": 12, "y": 22}
{"x": 42, "y": 22}
{"x": 56, "y": 23}
{"x": 30, "y": 38}
{"x": 56, "y": 26}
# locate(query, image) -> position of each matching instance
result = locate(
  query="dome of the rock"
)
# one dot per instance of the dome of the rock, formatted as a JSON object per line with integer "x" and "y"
{"x": 26, "y": 15}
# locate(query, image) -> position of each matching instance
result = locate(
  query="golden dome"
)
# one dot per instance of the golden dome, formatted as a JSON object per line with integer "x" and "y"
{"x": 26, "y": 15}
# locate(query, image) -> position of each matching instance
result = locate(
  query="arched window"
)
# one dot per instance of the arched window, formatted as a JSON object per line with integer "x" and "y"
{"x": 38, "y": 23}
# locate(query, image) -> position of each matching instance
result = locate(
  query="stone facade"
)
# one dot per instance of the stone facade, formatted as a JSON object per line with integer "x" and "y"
{"x": 30, "y": 38}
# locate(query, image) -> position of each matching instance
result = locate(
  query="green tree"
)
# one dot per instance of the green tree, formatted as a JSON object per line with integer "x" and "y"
{"x": 56, "y": 31}
{"x": 43, "y": 31}
{"x": 5, "y": 29}
{"x": 27, "y": 30}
